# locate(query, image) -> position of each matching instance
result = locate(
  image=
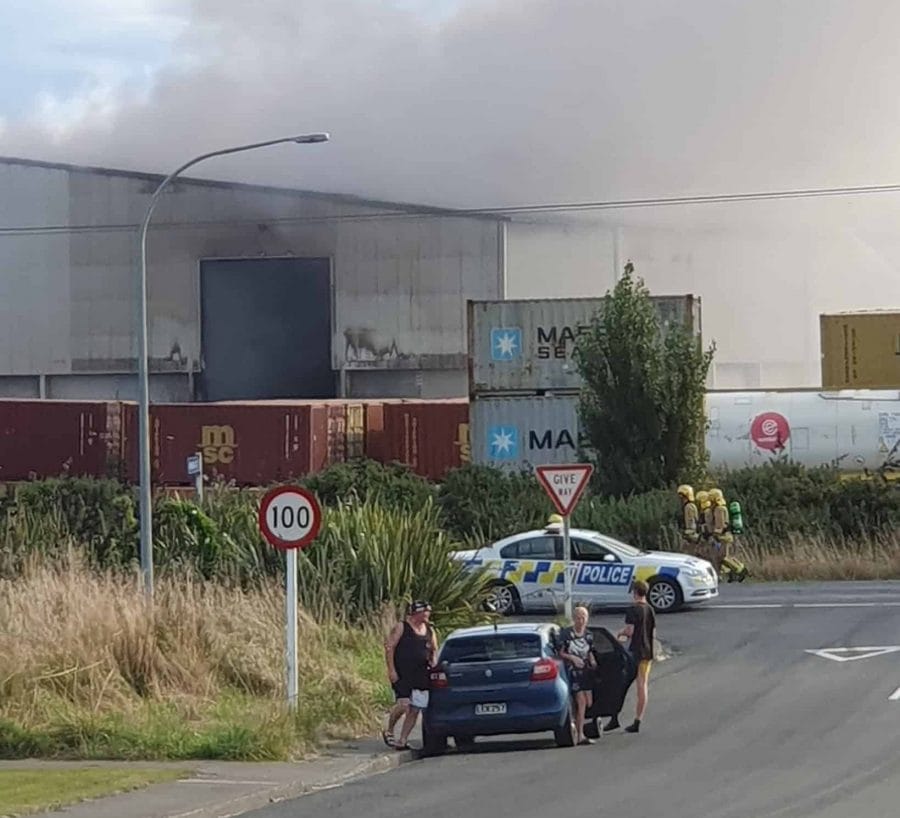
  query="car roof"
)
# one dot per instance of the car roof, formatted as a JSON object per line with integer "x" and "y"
{"x": 522, "y": 628}
{"x": 543, "y": 532}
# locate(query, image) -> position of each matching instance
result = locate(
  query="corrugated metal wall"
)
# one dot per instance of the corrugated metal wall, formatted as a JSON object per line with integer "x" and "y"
{"x": 400, "y": 284}
{"x": 518, "y": 433}
{"x": 528, "y": 345}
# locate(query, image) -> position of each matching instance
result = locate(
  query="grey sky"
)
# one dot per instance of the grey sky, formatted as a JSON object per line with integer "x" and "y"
{"x": 491, "y": 102}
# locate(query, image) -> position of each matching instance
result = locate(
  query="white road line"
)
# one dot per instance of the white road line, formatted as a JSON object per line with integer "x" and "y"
{"x": 846, "y": 605}
{"x": 895, "y": 696}
{"x": 227, "y": 781}
{"x": 737, "y": 606}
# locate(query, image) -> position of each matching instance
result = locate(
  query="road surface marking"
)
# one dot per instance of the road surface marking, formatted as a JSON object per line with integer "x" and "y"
{"x": 895, "y": 696}
{"x": 743, "y": 606}
{"x": 852, "y": 654}
{"x": 846, "y": 605}
{"x": 227, "y": 781}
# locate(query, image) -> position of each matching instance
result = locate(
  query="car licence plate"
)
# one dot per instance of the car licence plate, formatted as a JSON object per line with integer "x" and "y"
{"x": 497, "y": 709}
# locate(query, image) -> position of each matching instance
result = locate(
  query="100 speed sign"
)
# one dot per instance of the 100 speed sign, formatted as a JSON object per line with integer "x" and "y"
{"x": 289, "y": 517}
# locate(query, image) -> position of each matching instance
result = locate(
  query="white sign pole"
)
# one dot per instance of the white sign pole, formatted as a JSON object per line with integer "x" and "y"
{"x": 198, "y": 478}
{"x": 291, "y": 628}
{"x": 567, "y": 558}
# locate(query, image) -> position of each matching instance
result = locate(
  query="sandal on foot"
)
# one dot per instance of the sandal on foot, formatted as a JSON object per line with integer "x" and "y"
{"x": 387, "y": 738}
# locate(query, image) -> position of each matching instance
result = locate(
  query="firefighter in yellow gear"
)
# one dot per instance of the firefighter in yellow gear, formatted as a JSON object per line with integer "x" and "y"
{"x": 721, "y": 539}
{"x": 704, "y": 524}
{"x": 689, "y": 517}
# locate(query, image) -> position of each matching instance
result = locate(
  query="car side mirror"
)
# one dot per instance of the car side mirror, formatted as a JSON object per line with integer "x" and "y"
{"x": 608, "y": 558}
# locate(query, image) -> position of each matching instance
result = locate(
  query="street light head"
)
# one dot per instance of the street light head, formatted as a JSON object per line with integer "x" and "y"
{"x": 310, "y": 138}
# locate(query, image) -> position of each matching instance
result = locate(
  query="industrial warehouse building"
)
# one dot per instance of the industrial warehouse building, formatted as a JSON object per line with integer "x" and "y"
{"x": 254, "y": 292}
{"x": 260, "y": 292}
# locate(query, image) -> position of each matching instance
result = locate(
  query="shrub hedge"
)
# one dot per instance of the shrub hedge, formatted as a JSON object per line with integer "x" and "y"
{"x": 367, "y": 503}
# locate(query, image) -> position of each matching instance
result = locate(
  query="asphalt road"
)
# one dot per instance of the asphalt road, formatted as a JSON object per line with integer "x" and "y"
{"x": 743, "y": 722}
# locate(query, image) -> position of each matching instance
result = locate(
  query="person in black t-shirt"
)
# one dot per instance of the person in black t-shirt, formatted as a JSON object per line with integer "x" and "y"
{"x": 640, "y": 627}
{"x": 409, "y": 651}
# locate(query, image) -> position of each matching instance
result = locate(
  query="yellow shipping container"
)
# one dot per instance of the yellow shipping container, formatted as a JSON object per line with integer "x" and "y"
{"x": 860, "y": 350}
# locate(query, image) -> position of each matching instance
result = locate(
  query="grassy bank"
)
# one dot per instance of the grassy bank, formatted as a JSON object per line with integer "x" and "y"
{"x": 87, "y": 671}
{"x": 23, "y": 792}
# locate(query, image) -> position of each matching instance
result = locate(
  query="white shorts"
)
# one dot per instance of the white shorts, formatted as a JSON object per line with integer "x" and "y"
{"x": 419, "y": 699}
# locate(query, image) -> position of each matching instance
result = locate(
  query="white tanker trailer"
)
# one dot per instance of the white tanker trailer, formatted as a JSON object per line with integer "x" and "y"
{"x": 855, "y": 430}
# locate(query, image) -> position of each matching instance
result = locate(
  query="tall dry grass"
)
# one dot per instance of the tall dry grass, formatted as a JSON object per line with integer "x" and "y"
{"x": 88, "y": 669}
{"x": 822, "y": 558}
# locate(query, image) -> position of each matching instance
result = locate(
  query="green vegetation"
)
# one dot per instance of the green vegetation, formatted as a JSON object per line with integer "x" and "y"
{"x": 386, "y": 532}
{"x": 23, "y": 792}
{"x": 86, "y": 671}
{"x": 641, "y": 406}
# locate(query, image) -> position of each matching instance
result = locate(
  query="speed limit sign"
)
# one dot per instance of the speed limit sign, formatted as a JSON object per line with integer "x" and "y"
{"x": 289, "y": 517}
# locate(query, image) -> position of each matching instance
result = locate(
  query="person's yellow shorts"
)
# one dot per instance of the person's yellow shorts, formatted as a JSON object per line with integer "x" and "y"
{"x": 643, "y": 668}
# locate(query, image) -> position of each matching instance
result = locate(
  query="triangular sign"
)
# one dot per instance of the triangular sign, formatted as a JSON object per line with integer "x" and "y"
{"x": 565, "y": 484}
{"x": 852, "y": 654}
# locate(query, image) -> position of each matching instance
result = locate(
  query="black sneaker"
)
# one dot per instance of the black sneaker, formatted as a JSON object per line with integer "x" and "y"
{"x": 635, "y": 727}
{"x": 585, "y": 741}
{"x": 612, "y": 724}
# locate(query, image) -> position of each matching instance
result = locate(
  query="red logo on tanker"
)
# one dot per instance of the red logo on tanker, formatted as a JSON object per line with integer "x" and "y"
{"x": 770, "y": 431}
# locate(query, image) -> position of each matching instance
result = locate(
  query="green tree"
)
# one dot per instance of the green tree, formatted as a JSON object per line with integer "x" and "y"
{"x": 642, "y": 403}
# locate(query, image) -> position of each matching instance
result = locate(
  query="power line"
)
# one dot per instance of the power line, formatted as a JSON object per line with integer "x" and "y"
{"x": 799, "y": 193}
{"x": 500, "y": 211}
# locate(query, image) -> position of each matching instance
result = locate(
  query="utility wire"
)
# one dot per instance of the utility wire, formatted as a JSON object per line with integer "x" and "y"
{"x": 500, "y": 211}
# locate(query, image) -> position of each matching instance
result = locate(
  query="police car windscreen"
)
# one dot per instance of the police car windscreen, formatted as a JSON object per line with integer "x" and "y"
{"x": 492, "y": 648}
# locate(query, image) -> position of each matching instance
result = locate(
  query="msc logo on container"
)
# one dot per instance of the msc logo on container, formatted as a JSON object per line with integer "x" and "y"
{"x": 506, "y": 343}
{"x": 217, "y": 444}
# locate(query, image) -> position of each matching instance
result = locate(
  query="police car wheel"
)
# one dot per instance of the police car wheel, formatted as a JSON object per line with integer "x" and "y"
{"x": 664, "y": 595}
{"x": 502, "y": 599}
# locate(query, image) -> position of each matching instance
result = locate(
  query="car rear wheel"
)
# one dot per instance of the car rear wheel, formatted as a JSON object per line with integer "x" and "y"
{"x": 565, "y": 735}
{"x": 664, "y": 595}
{"x": 433, "y": 744}
{"x": 503, "y": 599}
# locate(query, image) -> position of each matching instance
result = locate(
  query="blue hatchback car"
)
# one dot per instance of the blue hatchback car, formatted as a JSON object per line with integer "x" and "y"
{"x": 508, "y": 679}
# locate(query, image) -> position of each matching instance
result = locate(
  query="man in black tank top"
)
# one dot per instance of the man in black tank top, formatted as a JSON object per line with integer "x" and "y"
{"x": 409, "y": 651}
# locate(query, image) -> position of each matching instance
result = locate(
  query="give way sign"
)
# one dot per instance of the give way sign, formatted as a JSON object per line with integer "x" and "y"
{"x": 565, "y": 484}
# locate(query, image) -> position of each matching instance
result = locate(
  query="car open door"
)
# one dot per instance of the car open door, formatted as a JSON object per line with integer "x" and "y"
{"x": 616, "y": 670}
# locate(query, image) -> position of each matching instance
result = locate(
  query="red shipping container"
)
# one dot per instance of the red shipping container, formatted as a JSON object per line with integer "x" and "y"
{"x": 46, "y": 438}
{"x": 431, "y": 437}
{"x": 374, "y": 446}
{"x": 252, "y": 444}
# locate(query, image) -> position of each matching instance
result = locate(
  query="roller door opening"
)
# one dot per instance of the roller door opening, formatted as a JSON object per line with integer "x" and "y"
{"x": 266, "y": 329}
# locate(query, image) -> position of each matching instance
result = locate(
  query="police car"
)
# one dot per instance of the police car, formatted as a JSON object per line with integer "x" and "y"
{"x": 526, "y": 572}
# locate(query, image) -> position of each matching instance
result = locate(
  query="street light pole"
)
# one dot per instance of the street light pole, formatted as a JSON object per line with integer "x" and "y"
{"x": 146, "y": 501}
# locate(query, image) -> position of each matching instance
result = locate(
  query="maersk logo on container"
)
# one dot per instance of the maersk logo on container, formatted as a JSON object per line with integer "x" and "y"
{"x": 506, "y": 343}
{"x": 503, "y": 441}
